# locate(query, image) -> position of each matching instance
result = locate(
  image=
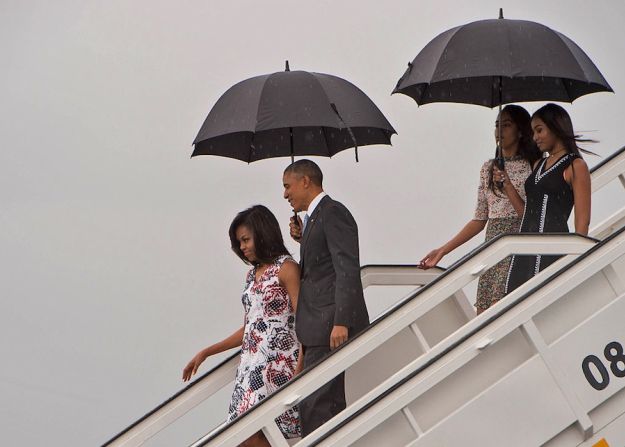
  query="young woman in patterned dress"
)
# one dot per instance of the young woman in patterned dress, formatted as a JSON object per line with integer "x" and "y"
{"x": 269, "y": 347}
{"x": 500, "y": 201}
{"x": 559, "y": 182}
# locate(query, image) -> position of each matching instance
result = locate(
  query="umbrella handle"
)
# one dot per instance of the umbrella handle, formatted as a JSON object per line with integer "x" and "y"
{"x": 499, "y": 161}
{"x": 296, "y": 219}
{"x": 499, "y": 156}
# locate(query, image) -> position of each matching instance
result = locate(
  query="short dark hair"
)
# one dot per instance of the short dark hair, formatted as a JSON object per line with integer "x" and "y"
{"x": 265, "y": 229}
{"x": 307, "y": 168}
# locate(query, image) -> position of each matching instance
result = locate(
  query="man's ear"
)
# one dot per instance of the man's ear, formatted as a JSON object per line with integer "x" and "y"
{"x": 306, "y": 181}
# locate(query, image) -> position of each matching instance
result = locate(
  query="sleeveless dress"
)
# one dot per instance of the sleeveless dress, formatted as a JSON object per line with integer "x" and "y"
{"x": 495, "y": 207}
{"x": 270, "y": 348}
{"x": 548, "y": 206}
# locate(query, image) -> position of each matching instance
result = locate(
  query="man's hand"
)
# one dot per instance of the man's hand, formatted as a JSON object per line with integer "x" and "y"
{"x": 295, "y": 228}
{"x": 338, "y": 336}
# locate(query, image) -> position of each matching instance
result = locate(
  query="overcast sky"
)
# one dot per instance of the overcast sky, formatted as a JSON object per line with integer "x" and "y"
{"x": 115, "y": 265}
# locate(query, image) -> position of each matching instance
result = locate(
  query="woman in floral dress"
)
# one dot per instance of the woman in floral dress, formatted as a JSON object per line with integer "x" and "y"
{"x": 500, "y": 201}
{"x": 269, "y": 347}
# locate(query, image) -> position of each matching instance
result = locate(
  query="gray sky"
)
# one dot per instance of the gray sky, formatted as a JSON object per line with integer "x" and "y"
{"x": 115, "y": 266}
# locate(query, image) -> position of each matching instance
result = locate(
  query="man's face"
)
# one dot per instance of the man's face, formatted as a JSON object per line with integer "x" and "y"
{"x": 295, "y": 190}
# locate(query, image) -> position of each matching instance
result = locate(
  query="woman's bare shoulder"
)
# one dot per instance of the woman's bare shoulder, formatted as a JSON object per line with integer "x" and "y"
{"x": 289, "y": 267}
{"x": 580, "y": 162}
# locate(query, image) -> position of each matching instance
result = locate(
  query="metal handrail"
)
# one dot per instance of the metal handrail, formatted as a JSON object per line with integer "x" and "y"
{"x": 371, "y": 274}
{"x": 470, "y": 330}
{"x": 399, "y": 317}
{"x": 608, "y": 160}
{"x": 607, "y": 170}
{"x": 601, "y": 174}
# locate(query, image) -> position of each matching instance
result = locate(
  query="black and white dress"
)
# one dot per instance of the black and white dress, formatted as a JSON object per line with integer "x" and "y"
{"x": 548, "y": 205}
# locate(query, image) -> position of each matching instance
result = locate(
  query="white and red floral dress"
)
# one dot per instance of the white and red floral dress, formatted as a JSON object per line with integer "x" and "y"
{"x": 270, "y": 348}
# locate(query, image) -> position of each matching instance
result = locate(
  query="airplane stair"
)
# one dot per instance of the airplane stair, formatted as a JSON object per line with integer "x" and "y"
{"x": 545, "y": 366}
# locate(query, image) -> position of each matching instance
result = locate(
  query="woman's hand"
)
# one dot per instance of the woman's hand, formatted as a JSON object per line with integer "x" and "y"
{"x": 299, "y": 367}
{"x": 500, "y": 175}
{"x": 432, "y": 259}
{"x": 234, "y": 340}
{"x": 193, "y": 365}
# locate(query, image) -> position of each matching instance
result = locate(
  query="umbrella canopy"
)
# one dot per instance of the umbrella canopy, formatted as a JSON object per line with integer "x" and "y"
{"x": 499, "y": 61}
{"x": 291, "y": 113}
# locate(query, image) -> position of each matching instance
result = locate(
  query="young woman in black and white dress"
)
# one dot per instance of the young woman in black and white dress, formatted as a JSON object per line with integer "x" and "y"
{"x": 559, "y": 182}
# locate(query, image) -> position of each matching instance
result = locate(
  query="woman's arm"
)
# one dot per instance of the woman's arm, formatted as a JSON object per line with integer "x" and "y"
{"x": 300, "y": 361}
{"x": 289, "y": 278}
{"x": 233, "y": 341}
{"x": 513, "y": 195}
{"x": 578, "y": 177}
{"x": 472, "y": 228}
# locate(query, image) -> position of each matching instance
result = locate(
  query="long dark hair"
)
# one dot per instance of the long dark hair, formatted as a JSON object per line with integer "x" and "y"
{"x": 265, "y": 229}
{"x": 527, "y": 148}
{"x": 559, "y": 122}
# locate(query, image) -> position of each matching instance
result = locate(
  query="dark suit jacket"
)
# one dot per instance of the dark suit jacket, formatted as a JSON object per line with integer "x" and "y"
{"x": 331, "y": 289}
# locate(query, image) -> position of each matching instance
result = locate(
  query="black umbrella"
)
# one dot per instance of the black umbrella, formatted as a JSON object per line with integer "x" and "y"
{"x": 499, "y": 61}
{"x": 291, "y": 113}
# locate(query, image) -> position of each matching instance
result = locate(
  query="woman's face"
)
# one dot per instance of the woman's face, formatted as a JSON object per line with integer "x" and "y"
{"x": 246, "y": 242}
{"x": 510, "y": 133}
{"x": 544, "y": 138}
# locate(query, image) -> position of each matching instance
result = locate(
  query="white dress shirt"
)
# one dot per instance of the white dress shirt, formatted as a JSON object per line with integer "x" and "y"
{"x": 314, "y": 203}
{"x": 311, "y": 208}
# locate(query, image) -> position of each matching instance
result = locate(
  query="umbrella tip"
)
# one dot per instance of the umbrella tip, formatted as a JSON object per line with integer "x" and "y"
{"x": 501, "y": 13}
{"x": 286, "y": 66}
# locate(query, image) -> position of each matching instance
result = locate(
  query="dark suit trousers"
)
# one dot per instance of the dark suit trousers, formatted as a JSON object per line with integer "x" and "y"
{"x": 327, "y": 401}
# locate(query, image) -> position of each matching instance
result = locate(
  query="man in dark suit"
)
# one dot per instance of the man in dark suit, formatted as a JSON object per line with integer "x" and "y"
{"x": 331, "y": 306}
